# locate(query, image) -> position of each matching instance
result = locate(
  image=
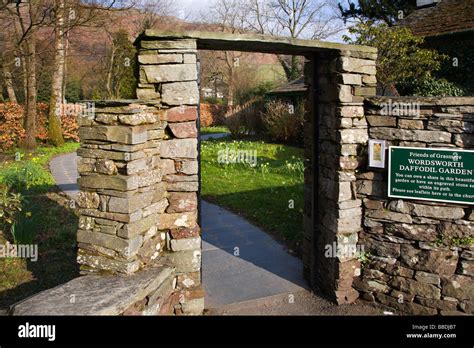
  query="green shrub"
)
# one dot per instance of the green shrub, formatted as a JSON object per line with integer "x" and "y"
{"x": 284, "y": 122}
{"x": 255, "y": 92}
{"x": 26, "y": 176}
{"x": 21, "y": 226}
{"x": 401, "y": 55}
{"x": 213, "y": 101}
{"x": 438, "y": 88}
{"x": 23, "y": 231}
{"x": 430, "y": 87}
{"x": 10, "y": 206}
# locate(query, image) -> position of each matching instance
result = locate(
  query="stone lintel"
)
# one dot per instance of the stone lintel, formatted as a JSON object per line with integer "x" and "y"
{"x": 251, "y": 42}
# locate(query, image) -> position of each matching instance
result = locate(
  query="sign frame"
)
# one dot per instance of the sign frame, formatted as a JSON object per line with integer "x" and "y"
{"x": 420, "y": 198}
{"x": 374, "y": 163}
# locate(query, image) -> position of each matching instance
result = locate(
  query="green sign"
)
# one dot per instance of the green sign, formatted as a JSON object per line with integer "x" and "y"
{"x": 431, "y": 174}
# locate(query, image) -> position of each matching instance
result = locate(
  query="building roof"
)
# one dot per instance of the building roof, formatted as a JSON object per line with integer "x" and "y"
{"x": 446, "y": 17}
{"x": 296, "y": 86}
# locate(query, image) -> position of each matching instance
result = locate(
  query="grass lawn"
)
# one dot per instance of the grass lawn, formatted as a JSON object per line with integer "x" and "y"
{"x": 214, "y": 130}
{"x": 269, "y": 194}
{"x": 52, "y": 226}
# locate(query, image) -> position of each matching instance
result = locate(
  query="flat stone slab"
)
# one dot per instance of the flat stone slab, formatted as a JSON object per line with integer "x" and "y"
{"x": 111, "y": 294}
{"x": 251, "y": 42}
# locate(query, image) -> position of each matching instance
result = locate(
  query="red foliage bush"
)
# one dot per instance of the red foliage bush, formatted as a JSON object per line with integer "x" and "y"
{"x": 245, "y": 119}
{"x": 11, "y": 125}
{"x": 212, "y": 115}
{"x": 11, "y": 130}
{"x": 69, "y": 121}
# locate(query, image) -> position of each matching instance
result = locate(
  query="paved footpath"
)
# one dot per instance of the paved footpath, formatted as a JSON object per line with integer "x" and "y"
{"x": 64, "y": 170}
{"x": 214, "y": 136}
{"x": 244, "y": 269}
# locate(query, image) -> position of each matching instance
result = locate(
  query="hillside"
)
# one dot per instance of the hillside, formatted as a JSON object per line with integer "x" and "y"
{"x": 89, "y": 52}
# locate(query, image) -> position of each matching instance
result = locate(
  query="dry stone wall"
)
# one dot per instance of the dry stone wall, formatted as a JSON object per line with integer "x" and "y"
{"x": 139, "y": 176}
{"x": 335, "y": 130}
{"x": 139, "y": 181}
{"x": 421, "y": 253}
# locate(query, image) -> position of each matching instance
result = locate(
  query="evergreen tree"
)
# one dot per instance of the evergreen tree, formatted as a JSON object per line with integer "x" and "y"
{"x": 388, "y": 11}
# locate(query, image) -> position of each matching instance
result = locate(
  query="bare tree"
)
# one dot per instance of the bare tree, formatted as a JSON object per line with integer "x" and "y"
{"x": 306, "y": 19}
{"x": 10, "y": 57}
{"x": 68, "y": 15}
{"x": 227, "y": 15}
{"x": 26, "y": 18}
{"x": 56, "y": 100}
{"x": 7, "y": 79}
{"x": 152, "y": 11}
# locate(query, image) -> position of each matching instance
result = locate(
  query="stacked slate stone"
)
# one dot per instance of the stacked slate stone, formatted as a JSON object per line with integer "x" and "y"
{"x": 122, "y": 193}
{"x": 339, "y": 81}
{"x": 139, "y": 175}
{"x": 421, "y": 253}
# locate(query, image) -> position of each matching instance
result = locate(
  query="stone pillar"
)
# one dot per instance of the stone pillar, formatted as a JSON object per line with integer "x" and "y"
{"x": 343, "y": 79}
{"x": 139, "y": 175}
{"x": 122, "y": 193}
{"x": 168, "y": 71}
{"x": 311, "y": 162}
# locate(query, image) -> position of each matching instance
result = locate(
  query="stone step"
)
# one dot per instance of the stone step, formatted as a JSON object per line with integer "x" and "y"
{"x": 142, "y": 293}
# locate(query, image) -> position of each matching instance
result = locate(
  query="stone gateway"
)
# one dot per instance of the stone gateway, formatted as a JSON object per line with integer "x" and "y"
{"x": 139, "y": 237}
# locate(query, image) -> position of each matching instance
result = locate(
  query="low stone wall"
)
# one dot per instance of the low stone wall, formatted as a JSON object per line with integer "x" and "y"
{"x": 421, "y": 261}
{"x": 146, "y": 293}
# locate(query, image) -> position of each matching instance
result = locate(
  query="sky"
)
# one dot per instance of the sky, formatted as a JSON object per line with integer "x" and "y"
{"x": 190, "y": 9}
{"x": 193, "y": 7}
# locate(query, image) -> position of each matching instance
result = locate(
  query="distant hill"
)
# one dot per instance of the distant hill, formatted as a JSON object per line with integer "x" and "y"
{"x": 88, "y": 47}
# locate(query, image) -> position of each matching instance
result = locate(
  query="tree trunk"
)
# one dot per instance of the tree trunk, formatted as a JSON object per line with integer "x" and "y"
{"x": 230, "y": 61}
{"x": 56, "y": 101}
{"x": 110, "y": 72}
{"x": 290, "y": 67}
{"x": 31, "y": 95}
{"x": 7, "y": 77}
{"x": 66, "y": 49}
{"x": 24, "y": 74}
{"x": 20, "y": 54}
